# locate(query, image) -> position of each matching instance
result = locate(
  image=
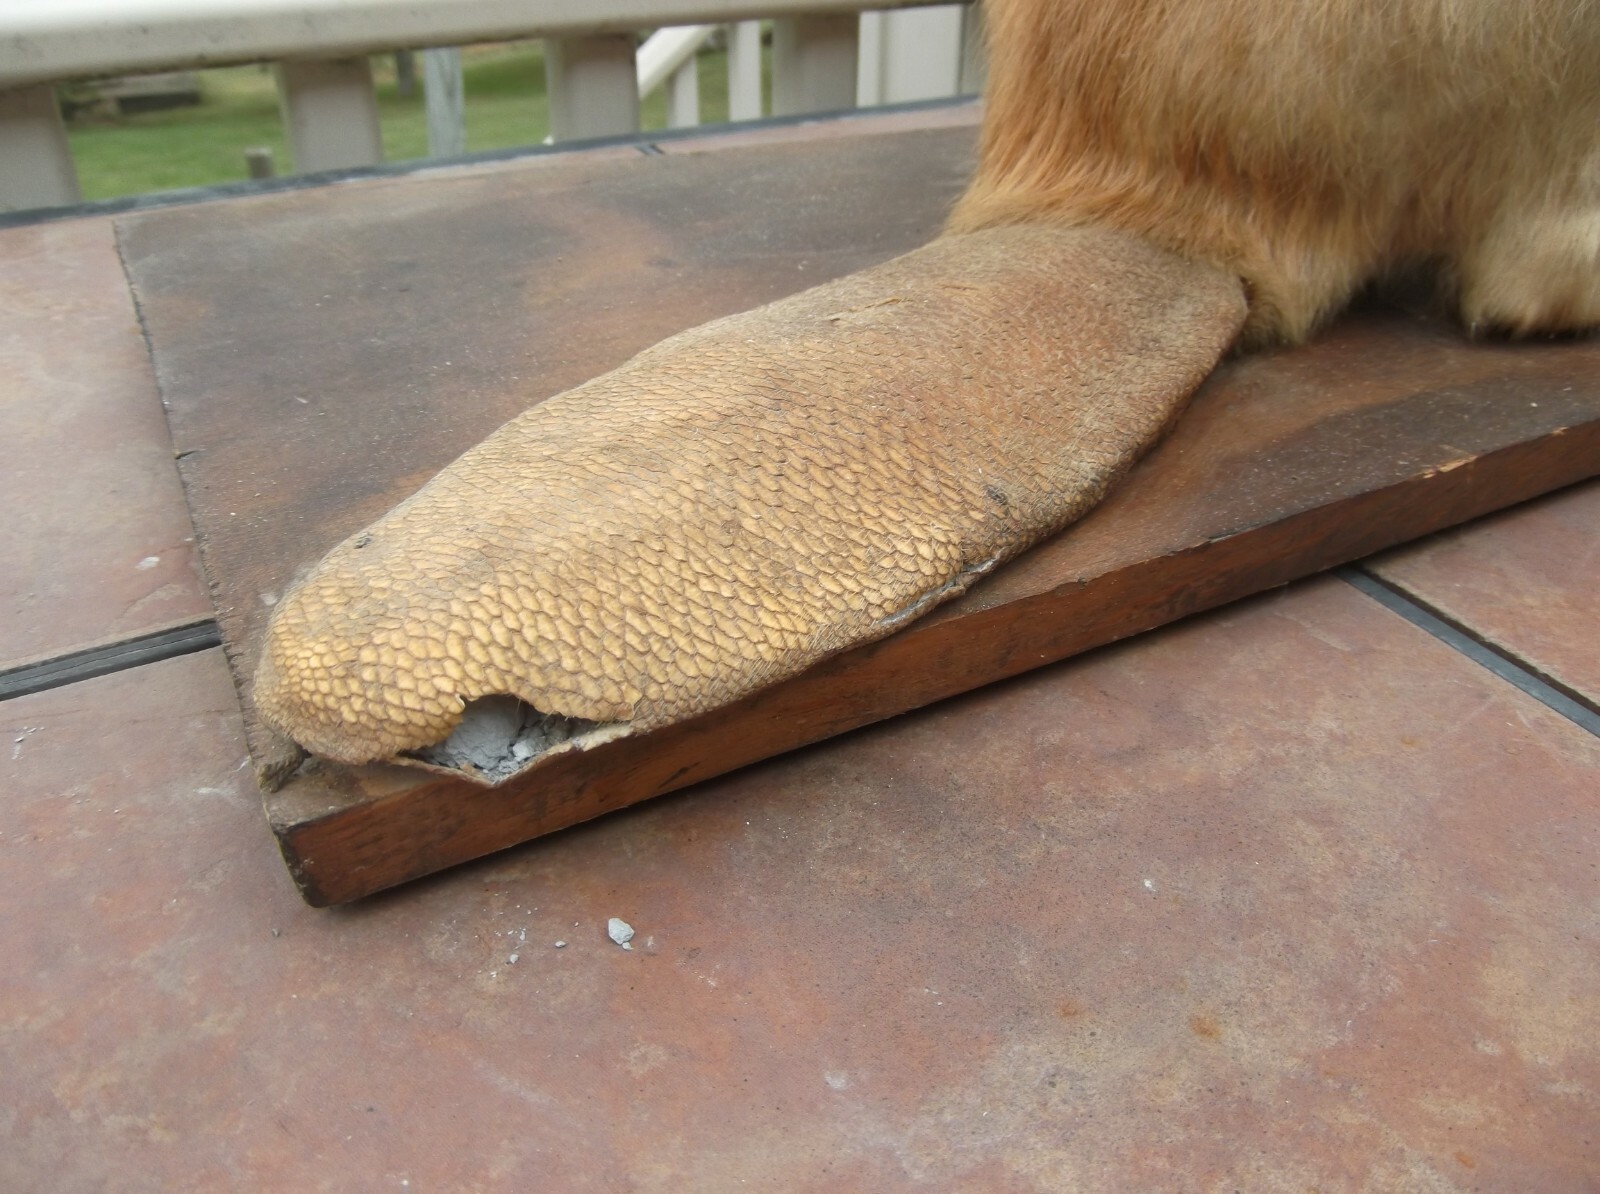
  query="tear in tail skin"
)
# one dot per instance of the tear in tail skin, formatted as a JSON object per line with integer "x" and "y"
{"x": 754, "y": 495}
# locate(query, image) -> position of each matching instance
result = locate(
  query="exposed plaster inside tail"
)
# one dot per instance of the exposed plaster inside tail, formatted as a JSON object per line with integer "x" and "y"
{"x": 501, "y": 736}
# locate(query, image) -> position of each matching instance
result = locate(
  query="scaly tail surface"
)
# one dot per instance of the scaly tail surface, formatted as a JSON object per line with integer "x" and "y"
{"x": 744, "y": 500}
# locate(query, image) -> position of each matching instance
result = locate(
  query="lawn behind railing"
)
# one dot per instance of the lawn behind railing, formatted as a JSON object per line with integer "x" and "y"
{"x": 202, "y": 145}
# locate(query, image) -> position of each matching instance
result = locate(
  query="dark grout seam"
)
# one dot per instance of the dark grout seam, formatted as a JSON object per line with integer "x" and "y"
{"x": 1543, "y": 688}
{"x": 139, "y": 650}
{"x": 109, "y": 657}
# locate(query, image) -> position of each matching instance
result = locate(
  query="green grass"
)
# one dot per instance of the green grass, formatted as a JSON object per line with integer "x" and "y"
{"x": 203, "y": 145}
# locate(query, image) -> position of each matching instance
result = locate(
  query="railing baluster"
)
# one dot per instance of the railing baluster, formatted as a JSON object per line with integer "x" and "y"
{"x": 444, "y": 101}
{"x": 35, "y": 162}
{"x": 329, "y": 113}
{"x": 912, "y": 54}
{"x": 814, "y": 63}
{"x": 974, "y": 61}
{"x": 593, "y": 86}
{"x": 683, "y": 96}
{"x": 744, "y": 70}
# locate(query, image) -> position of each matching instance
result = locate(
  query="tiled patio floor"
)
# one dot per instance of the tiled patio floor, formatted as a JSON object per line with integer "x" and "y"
{"x": 1290, "y": 896}
{"x": 1526, "y": 580}
{"x": 97, "y": 542}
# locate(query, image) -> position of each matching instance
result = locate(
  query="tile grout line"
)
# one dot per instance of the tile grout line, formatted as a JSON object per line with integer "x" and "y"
{"x": 106, "y": 658}
{"x": 152, "y": 646}
{"x": 1543, "y": 688}
{"x": 202, "y": 634}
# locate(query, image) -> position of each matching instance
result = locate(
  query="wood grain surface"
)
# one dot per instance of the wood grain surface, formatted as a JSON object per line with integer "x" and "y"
{"x": 322, "y": 353}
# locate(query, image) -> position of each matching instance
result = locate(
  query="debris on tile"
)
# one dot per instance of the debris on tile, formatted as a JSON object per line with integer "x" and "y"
{"x": 561, "y": 945}
{"x": 27, "y": 732}
{"x": 512, "y": 959}
{"x": 619, "y": 931}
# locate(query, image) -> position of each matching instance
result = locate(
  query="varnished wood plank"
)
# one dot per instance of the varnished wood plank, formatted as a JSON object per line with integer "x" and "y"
{"x": 1385, "y": 429}
{"x": 348, "y": 831}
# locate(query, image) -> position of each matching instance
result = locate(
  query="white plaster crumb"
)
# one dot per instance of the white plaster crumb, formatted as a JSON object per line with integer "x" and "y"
{"x": 269, "y": 599}
{"x": 147, "y": 563}
{"x": 512, "y": 960}
{"x": 498, "y": 735}
{"x": 561, "y": 945}
{"x": 836, "y": 1080}
{"x": 1149, "y": 884}
{"x": 619, "y": 931}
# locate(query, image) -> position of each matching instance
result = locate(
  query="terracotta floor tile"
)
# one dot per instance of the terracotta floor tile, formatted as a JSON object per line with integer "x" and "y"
{"x": 96, "y": 540}
{"x": 1286, "y": 897}
{"x": 1527, "y": 580}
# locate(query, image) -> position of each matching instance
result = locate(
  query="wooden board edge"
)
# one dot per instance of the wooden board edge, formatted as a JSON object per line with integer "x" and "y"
{"x": 367, "y": 846}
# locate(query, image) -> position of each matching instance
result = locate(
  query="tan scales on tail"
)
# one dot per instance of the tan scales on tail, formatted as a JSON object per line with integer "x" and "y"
{"x": 754, "y": 495}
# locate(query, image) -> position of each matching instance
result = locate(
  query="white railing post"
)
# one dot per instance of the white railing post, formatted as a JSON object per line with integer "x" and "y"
{"x": 683, "y": 96}
{"x": 593, "y": 86}
{"x": 669, "y": 56}
{"x": 35, "y": 162}
{"x": 911, "y": 54}
{"x": 814, "y": 63}
{"x": 329, "y": 113}
{"x": 869, "y": 61}
{"x": 444, "y": 102}
{"x": 974, "y": 58}
{"x": 744, "y": 70}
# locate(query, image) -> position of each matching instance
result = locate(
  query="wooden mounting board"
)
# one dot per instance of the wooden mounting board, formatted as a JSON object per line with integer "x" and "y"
{"x": 322, "y": 353}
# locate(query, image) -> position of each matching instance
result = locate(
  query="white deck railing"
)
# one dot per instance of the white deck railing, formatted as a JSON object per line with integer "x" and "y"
{"x": 827, "y": 55}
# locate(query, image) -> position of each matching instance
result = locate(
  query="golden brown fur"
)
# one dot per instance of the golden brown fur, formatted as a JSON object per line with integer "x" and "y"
{"x": 1313, "y": 145}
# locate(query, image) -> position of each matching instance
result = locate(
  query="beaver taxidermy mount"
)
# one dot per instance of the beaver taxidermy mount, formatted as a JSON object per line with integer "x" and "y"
{"x": 1160, "y": 181}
